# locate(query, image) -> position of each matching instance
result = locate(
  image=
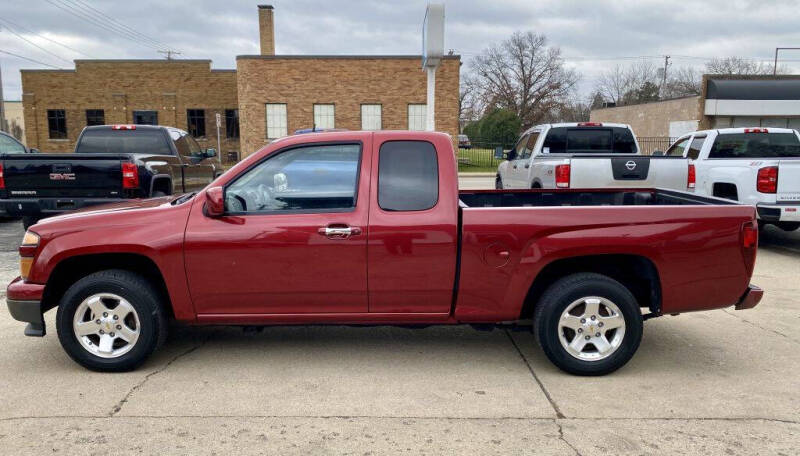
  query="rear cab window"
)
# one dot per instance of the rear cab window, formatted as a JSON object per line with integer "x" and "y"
{"x": 756, "y": 145}
{"x": 695, "y": 147}
{"x": 588, "y": 140}
{"x": 108, "y": 141}
{"x": 677, "y": 149}
{"x": 408, "y": 176}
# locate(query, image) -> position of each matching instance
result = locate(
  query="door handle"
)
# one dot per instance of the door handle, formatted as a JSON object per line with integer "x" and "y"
{"x": 515, "y": 166}
{"x": 339, "y": 232}
{"x": 527, "y": 165}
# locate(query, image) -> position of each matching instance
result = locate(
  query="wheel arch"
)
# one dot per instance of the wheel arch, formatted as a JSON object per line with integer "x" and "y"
{"x": 161, "y": 183}
{"x": 636, "y": 272}
{"x": 72, "y": 269}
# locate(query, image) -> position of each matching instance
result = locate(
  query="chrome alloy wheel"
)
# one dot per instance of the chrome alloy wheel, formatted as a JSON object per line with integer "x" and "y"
{"x": 106, "y": 325}
{"x": 591, "y": 328}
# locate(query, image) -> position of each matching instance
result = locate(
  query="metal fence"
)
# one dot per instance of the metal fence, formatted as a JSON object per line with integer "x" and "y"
{"x": 649, "y": 144}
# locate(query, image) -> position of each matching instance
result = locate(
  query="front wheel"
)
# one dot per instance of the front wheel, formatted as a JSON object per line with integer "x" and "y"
{"x": 111, "y": 321}
{"x": 588, "y": 324}
{"x": 30, "y": 220}
{"x": 498, "y": 183}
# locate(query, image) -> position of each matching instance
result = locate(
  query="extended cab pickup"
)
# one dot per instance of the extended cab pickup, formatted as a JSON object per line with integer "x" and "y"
{"x": 370, "y": 228}
{"x": 110, "y": 163}
{"x": 586, "y": 155}
{"x": 756, "y": 166}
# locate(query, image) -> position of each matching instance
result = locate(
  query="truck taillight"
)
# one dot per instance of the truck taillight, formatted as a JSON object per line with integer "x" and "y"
{"x": 691, "y": 178}
{"x": 2, "y": 177}
{"x": 562, "y": 176}
{"x": 123, "y": 127}
{"x": 590, "y": 124}
{"x": 749, "y": 235}
{"x": 767, "y": 181}
{"x": 130, "y": 175}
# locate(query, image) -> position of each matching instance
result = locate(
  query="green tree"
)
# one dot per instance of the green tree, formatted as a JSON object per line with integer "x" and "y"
{"x": 498, "y": 127}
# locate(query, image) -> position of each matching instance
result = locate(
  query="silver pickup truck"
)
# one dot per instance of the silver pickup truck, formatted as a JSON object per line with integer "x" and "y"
{"x": 587, "y": 155}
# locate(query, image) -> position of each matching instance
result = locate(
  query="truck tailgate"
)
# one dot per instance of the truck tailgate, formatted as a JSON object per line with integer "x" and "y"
{"x": 63, "y": 175}
{"x": 789, "y": 181}
{"x": 633, "y": 171}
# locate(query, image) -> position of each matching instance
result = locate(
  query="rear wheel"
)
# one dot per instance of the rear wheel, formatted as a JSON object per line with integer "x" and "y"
{"x": 588, "y": 324}
{"x": 111, "y": 321}
{"x": 788, "y": 226}
{"x": 158, "y": 194}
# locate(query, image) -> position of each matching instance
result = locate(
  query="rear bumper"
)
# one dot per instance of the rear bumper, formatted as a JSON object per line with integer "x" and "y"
{"x": 49, "y": 206}
{"x": 750, "y": 298}
{"x": 779, "y": 212}
{"x": 24, "y": 301}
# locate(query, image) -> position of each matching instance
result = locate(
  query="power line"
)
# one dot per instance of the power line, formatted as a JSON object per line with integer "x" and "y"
{"x": 30, "y": 60}
{"x": 36, "y": 45}
{"x": 44, "y": 37}
{"x": 120, "y": 24}
{"x": 66, "y": 7}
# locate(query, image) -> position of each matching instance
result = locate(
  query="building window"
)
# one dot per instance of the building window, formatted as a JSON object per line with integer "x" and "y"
{"x": 196, "y": 122}
{"x": 145, "y": 117}
{"x": 417, "y": 116}
{"x": 370, "y": 117}
{"x": 95, "y": 117}
{"x": 323, "y": 116}
{"x": 57, "y": 123}
{"x": 276, "y": 120}
{"x": 232, "y": 123}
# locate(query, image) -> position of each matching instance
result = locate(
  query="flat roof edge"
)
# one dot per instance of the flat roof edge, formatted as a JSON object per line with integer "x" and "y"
{"x": 340, "y": 56}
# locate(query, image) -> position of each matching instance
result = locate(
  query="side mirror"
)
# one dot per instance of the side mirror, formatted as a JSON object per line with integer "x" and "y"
{"x": 34, "y": 151}
{"x": 215, "y": 202}
{"x": 211, "y": 152}
{"x": 658, "y": 153}
{"x": 511, "y": 154}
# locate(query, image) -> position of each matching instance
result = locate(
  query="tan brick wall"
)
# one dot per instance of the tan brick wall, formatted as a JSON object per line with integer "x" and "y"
{"x": 392, "y": 82}
{"x": 121, "y": 86}
{"x": 266, "y": 29}
{"x": 650, "y": 119}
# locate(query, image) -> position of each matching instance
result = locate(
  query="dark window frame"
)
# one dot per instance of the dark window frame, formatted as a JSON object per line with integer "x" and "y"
{"x": 142, "y": 112}
{"x": 360, "y": 145}
{"x": 232, "y": 123}
{"x": 57, "y": 124}
{"x": 196, "y": 122}
{"x": 95, "y": 117}
{"x": 436, "y": 174}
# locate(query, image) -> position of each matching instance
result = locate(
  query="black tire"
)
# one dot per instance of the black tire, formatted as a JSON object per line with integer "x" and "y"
{"x": 141, "y": 295}
{"x": 788, "y": 226}
{"x": 158, "y": 194}
{"x": 30, "y": 220}
{"x": 560, "y": 295}
{"x": 498, "y": 183}
{"x": 761, "y": 225}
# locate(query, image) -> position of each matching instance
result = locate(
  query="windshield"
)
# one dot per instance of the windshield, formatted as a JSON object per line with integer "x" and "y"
{"x": 108, "y": 141}
{"x": 755, "y": 145}
{"x": 588, "y": 140}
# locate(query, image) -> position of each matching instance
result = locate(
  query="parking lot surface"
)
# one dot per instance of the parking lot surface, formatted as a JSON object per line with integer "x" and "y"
{"x": 719, "y": 382}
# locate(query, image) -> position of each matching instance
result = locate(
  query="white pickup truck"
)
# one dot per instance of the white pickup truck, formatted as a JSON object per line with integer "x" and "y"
{"x": 755, "y": 166}
{"x": 587, "y": 155}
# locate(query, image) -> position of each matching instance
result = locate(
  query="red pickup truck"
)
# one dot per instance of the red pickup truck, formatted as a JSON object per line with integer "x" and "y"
{"x": 370, "y": 228}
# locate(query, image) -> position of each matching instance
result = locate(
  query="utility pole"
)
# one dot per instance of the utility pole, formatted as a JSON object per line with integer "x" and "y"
{"x": 169, "y": 53}
{"x": 664, "y": 76}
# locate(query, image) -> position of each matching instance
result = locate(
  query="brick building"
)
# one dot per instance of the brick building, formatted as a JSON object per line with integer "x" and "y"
{"x": 725, "y": 101}
{"x": 266, "y": 97}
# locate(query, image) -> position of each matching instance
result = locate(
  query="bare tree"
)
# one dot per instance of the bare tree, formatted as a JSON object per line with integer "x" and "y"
{"x": 620, "y": 83}
{"x": 524, "y": 75}
{"x": 469, "y": 104}
{"x": 682, "y": 82}
{"x": 740, "y": 66}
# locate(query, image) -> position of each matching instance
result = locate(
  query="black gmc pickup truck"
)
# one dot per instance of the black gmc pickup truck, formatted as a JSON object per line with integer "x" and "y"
{"x": 110, "y": 163}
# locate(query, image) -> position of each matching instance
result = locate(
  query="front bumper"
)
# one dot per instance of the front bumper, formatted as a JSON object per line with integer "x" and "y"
{"x": 779, "y": 212}
{"x": 24, "y": 301}
{"x": 49, "y": 206}
{"x": 750, "y": 298}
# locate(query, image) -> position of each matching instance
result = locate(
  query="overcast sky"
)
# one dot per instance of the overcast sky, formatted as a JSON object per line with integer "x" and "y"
{"x": 592, "y": 34}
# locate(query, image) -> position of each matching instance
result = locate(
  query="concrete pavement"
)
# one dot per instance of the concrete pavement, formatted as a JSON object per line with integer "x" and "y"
{"x": 719, "y": 382}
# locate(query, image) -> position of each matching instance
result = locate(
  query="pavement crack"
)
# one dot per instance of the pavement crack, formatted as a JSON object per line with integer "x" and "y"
{"x": 563, "y": 439}
{"x": 536, "y": 377}
{"x": 116, "y": 409}
{"x": 777, "y": 333}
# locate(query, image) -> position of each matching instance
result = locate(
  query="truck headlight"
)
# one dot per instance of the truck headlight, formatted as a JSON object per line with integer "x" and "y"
{"x": 30, "y": 242}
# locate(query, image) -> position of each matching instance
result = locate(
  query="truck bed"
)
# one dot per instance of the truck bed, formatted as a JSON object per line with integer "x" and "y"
{"x": 583, "y": 197}
{"x": 693, "y": 242}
